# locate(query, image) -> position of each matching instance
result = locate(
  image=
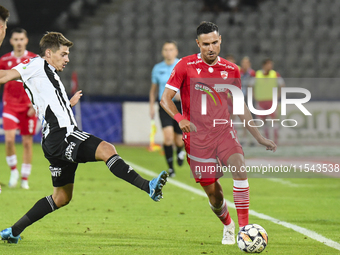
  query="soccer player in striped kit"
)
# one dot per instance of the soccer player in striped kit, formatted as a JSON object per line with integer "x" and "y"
{"x": 63, "y": 144}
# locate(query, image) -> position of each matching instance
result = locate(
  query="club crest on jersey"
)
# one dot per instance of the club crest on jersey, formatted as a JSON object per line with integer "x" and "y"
{"x": 26, "y": 61}
{"x": 224, "y": 75}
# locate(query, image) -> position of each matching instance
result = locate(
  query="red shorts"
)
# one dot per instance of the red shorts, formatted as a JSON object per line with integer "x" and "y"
{"x": 265, "y": 105}
{"x": 13, "y": 119}
{"x": 203, "y": 160}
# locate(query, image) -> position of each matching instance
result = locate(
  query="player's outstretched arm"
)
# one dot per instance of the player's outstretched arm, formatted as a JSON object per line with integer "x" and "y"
{"x": 9, "y": 75}
{"x": 269, "y": 144}
{"x": 169, "y": 106}
{"x": 75, "y": 99}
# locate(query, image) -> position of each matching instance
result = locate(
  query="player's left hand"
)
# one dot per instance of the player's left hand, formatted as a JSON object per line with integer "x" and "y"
{"x": 74, "y": 100}
{"x": 31, "y": 111}
{"x": 270, "y": 145}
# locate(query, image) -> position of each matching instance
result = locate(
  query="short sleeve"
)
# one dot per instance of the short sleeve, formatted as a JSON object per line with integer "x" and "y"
{"x": 177, "y": 76}
{"x": 154, "y": 75}
{"x": 27, "y": 69}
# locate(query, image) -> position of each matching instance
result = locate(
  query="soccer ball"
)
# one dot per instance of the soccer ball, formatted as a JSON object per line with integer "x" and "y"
{"x": 252, "y": 238}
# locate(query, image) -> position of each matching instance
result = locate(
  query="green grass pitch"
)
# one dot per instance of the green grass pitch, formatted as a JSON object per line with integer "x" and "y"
{"x": 109, "y": 216}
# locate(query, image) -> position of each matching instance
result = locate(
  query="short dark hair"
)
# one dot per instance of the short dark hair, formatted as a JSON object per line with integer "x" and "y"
{"x": 4, "y": 13}
{"x": 53, "y": 41}
{"x": 206, "y": 27}
{"x": 266, "y": 60}
{"x": 18, "y": 30}
{"x": 170, "y": 41}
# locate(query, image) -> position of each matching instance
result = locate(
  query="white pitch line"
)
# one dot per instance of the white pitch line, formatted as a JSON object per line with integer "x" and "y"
{"x": 284, "y": 182}
{"x": 301, "y": 230}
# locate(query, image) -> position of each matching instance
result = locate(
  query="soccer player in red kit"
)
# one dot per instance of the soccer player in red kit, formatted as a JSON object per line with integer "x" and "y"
{"x": 18, "y": 112}
{"x": 204, "y": 100}
{"x": 4, "y": 14}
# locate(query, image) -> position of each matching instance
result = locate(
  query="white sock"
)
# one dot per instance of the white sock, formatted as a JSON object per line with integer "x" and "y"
{"x": 26, "y": 170}
{"x": 12, "y": 162}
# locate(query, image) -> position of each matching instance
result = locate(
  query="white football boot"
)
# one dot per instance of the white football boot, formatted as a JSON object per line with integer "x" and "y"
{"x": 229, "y": 233}
{"x": 13, "y": 180}
{"x": 24, "y": 184}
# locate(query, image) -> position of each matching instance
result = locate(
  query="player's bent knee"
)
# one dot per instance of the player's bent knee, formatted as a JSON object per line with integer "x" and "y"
{"x": 105, "y": 150}
{"x": 62, "y": 200}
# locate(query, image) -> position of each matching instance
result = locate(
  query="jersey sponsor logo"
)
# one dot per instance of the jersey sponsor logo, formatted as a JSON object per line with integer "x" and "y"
{"x": 224, "y": 75}
{"x": 195, "y": 62}
{"x": 69, "y": 151}
{"x": 198, "y": 70}
{"x": 55, "y": 171}
{"x": 227, "y": 66}
{"x": 209, "y": 90}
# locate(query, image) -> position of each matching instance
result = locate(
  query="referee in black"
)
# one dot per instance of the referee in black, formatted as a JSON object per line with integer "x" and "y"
{"x": 64, "y": 145}
{"x": 171, "y": 132}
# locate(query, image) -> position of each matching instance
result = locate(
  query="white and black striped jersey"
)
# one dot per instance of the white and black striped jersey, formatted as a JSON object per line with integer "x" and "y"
{"x": 48, "y": 96}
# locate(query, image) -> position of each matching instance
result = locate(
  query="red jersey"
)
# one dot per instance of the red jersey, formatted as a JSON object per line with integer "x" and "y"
{"x": 203, "y": 99}
{"x": 14, "y": 92}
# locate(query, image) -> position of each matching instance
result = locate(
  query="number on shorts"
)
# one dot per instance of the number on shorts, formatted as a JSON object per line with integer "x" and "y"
{"x": 30, "y": 126}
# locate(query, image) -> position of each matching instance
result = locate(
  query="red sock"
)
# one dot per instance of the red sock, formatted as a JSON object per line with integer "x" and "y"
{"x": 222, "y": 213}
{"x": 241, "y": 200}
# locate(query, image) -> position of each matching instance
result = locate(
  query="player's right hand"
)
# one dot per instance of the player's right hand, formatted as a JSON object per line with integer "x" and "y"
{"x": 187, "y": 126}
{"x": 269, "y": 144}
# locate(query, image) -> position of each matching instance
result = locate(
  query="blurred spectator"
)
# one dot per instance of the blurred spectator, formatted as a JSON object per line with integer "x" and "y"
{"x": 265, "y": 80}
{"x": 231, "y": 58}
{"x": 247, "y": 75}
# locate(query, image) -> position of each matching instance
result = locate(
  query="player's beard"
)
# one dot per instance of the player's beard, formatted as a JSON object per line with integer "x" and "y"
{"x": 211, "y": 56}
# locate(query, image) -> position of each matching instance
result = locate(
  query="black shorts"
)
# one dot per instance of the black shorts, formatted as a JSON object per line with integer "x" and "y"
{"x": 78, "y": 147}
{"x": 166, "y": 120}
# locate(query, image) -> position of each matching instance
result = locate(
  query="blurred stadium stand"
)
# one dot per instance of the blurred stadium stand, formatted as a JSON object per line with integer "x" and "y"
{"x": 118, "y": 42}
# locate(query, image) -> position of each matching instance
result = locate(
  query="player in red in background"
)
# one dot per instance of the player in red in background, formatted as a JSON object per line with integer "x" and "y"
{"x": 4, "y": 14}
{"x": 18, "y": 112}
{"x": 195, "y": 76}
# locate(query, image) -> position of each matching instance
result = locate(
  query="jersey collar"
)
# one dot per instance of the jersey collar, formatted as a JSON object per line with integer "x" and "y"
{"x": 24, "y": 55}
{"x": 199, "y": 57}
{"x": 51, "y": 67}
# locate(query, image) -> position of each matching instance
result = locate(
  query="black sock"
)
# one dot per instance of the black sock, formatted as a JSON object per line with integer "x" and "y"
{"x": 44, "y": 206}
{"x": 179, "y": 149}
{"x": 123, "y": 171}
{"x": 168, "y": 155}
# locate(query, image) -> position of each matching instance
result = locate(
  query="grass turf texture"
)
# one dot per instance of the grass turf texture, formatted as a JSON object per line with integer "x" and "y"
{"x": 109, "y": 216}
